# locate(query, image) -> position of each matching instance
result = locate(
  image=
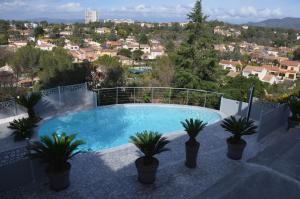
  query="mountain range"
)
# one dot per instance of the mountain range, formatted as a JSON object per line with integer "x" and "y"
{"x": 288, "y": 23}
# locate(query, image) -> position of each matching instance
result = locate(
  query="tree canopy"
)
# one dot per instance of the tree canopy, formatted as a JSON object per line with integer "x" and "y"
{"x": 196, "y": 58}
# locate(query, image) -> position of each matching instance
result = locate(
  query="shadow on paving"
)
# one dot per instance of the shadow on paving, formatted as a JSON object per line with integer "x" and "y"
{"x": 273, "y": 173}
{"x": 113, "y": 174}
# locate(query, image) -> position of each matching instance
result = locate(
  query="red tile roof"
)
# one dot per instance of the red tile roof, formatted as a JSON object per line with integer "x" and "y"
{"x": 290, "y": 63}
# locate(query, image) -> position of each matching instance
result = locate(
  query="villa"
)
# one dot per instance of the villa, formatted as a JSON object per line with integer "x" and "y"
{"x": 44, "y": 45}
{"x": 103, "y": 30}
{"x": 166, "y": 109}
{"x": 231, "y": 65}
{"x": 125, "y": 60}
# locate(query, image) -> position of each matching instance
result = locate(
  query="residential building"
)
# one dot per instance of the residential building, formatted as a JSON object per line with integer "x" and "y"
{"x": 271, "y": 79}
{"x": 125, "y": 60}
{"x": 109, "y": 52}
{"x": 103, "y": 30}
{"x": 18, "y": 44}
{"x": 7, "y": 76}
{"x": 120, "y": 21}
{"x": 231, "y": 65}
{"x": 132, "y": 46}
{"x": 30, "y": 25}
{"x": 44, "y": 45}
{"x": 290, "y": 65}
{"x": 89, "y": 53}
{"x": 78, "y": 55}
{"x": 145, "y": 48}
{"x": 91, "y": 16}
{"x": 147, "y": 25}
{"x": 257, "y": 71}
{"x": 270, "y": 74}
{"x": 155, "y": 53}
{"x": 71, "y": 47}
{"x": 66, "y": 33}
{"x": 114, "y": 44}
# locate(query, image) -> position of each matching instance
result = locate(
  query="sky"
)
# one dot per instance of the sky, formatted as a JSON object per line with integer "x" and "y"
{"x": 234, "y": 11}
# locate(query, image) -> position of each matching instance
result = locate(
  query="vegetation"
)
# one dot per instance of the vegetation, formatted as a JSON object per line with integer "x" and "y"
{"x": 190, "y": 62}
{"x": 115, "y": 73}
{"x": 56, "y": 151}
{"x": 23, "y": 128}
{"x": 4, "y": 25}
{"x": 296, "y": 54}
{"x": 193, "y": 127}
{"x": 125, "y": 52}
{"x": 150, "y": 144}
{"x": 29, "y": 101}
{"x": 294, "y": 105}
{"x": 196, "y": 58}
{"x": 38, "y": 32}
{"x": 238, "y": 127}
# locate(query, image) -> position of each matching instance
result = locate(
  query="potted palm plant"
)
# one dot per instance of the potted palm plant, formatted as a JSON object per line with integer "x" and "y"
{"x": 238, "y": 127}
{"x": 23, "y": 128}
{"x": 192, "y": 128}
{"x": 294, "y": 106}
{"x": 149, "y": 143}
{"x": 29, "y": 101}
{"x": 56, "y": 151}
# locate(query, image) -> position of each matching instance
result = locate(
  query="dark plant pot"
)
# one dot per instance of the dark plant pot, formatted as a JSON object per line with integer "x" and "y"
{"x": 191, "y": 150}
{"x": 146, "y": 173}
{"x": 59, "y": 180}
{"x": 235, "y": 150}
{"x": 292, "y": 123}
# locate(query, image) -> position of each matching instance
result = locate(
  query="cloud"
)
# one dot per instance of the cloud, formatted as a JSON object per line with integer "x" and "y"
{"x": 11, "y": 4}
{"x": 249, "y": 12}
{"x": 71, "y": 7}
{"x": 177, "y": 10}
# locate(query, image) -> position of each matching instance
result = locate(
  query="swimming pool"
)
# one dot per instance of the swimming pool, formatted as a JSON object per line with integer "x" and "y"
{"x": 107, "y": 127}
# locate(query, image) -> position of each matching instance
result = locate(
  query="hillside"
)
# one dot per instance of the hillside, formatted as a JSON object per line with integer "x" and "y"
{"x": 289, "y": 22}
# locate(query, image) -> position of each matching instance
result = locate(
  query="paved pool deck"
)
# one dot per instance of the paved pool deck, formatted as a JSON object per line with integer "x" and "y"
{"x": 112, "y": 173}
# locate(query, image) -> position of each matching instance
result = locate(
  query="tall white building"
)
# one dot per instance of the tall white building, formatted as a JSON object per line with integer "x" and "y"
{"x": 91, "y": 16}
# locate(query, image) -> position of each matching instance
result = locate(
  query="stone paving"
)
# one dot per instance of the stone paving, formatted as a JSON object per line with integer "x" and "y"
{"x": 112, "y": 174}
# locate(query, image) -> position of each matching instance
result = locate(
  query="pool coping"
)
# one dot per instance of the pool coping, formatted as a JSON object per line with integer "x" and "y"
{"x": 36, "y": 137}
{"x": 169, "y": 135}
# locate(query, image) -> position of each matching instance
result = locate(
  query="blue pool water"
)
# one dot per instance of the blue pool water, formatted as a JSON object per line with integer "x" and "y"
{"x": 112, "y": 126}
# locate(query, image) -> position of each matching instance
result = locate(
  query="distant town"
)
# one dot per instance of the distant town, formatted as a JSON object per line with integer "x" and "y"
{"x": 136, "y": 46}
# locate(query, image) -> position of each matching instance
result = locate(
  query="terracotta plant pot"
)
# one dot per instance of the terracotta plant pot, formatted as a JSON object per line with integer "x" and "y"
{"x": 235, "y": 150}
{"x": 146, "y": 173}
{"x": 191, "y": 150}
{"x": 59, "y": 180}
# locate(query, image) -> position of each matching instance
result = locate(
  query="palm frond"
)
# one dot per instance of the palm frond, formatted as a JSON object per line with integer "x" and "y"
{"x": 193, "y": 127}
{"x": 22, "y": 128}
{"x": 239, "y": 127}
{"x": 150, "y": 143}
{"x": 55, "y": 150}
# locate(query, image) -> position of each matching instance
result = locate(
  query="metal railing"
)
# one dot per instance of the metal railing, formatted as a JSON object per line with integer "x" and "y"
{"x": 166, "y": 95}
{"x": 53, "y": 99}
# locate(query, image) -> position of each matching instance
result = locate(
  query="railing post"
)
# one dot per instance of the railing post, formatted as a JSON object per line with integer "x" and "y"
{"x": 152, "y": 90}
{"x": 205, "y": 100}
{"x": 16, "y": 107}
{"x": 117, "y": 95}
{"x": 59, "y": 96}
{"x": 134, "y": 95}
{"x": 187, "y": 96}
{"x": 170, "y": 93}
{"x": 98, "y": 98}
{"x": 220, "y": 106}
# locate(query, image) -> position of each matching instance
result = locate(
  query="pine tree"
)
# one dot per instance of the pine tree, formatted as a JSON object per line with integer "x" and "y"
{"x": 197, "y": 55}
